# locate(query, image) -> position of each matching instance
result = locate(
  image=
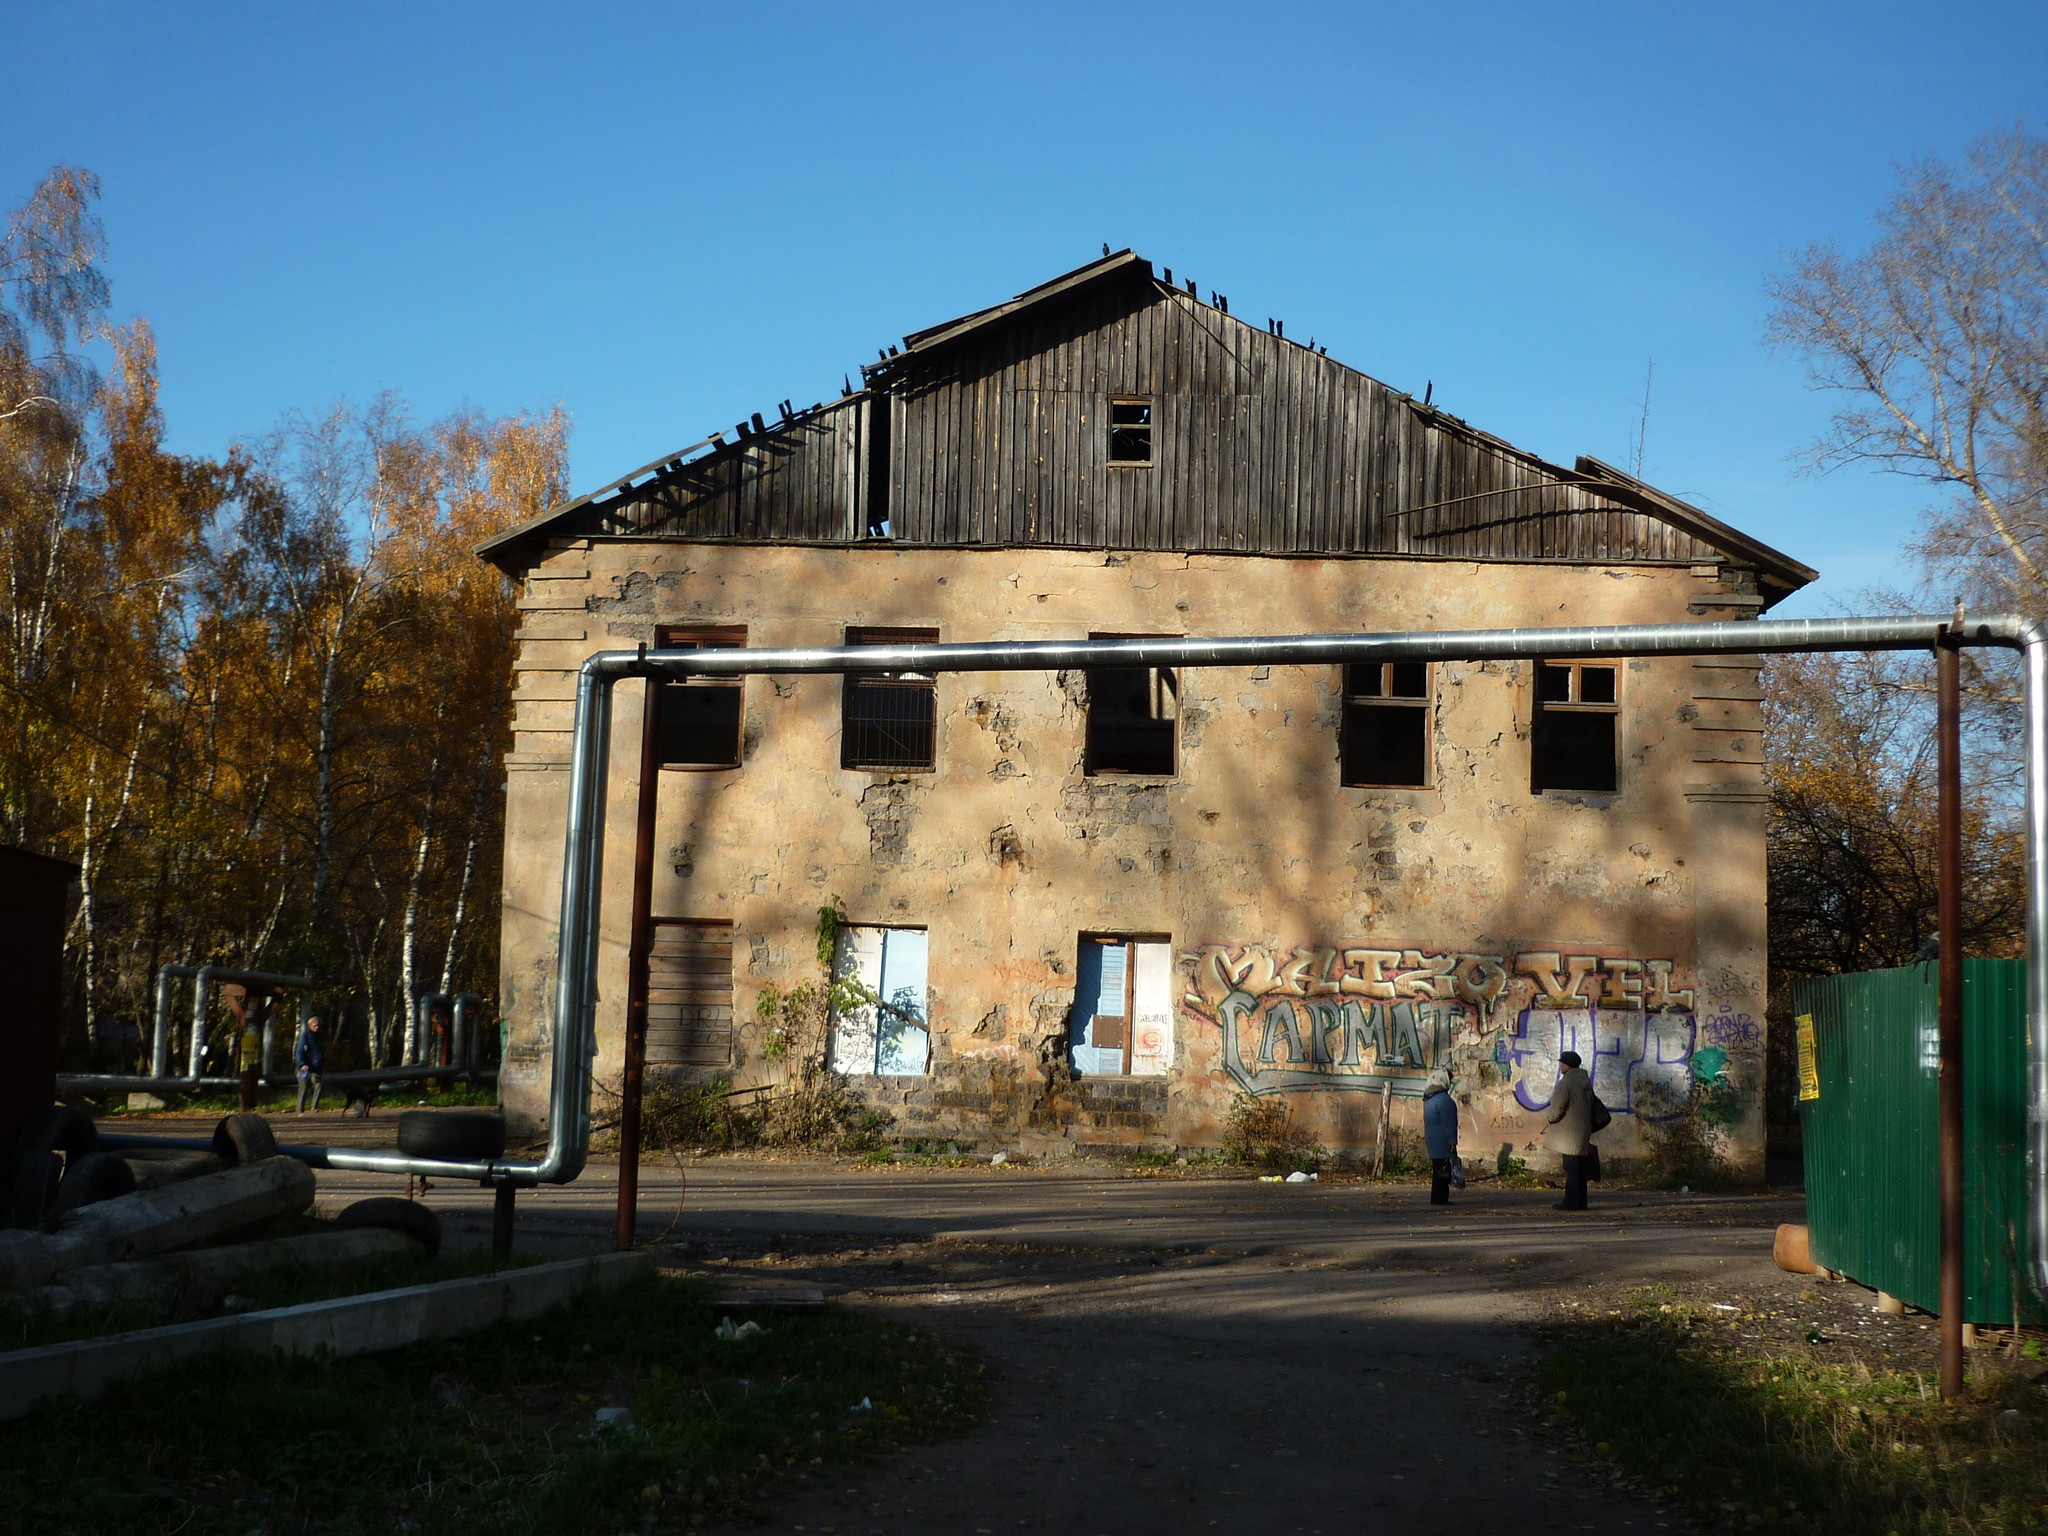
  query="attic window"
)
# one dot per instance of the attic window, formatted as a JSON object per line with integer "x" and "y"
{"x": 1130, "y": 430}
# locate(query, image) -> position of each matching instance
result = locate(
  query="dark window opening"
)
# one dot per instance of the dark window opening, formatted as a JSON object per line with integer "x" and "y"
{"x": 890, "y": 719}
{"x": 1130, "y": 431}
{"x": 700, "y": 720}
{"x": 1384, "y": 740}
{"x": 1576, "y": 735}
{"x": 1131, "y": 713}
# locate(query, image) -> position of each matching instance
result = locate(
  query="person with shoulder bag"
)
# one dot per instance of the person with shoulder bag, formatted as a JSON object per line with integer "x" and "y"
{"x": 1571, "y": 1128}
{"x": 1440, "y": 1138}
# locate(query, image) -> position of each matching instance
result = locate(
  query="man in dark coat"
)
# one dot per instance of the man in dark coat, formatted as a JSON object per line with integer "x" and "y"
{"x": 310, "y": 1057}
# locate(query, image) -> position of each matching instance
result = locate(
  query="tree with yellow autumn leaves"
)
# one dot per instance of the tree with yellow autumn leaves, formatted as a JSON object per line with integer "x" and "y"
{"x": 261, "y": 700}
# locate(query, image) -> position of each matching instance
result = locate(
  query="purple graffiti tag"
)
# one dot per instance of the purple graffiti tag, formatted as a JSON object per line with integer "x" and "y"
{"x": 1724, "y": 1026}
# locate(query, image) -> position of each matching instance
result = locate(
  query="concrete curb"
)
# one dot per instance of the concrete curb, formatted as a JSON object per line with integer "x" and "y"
{"x": 347, "y": 1325}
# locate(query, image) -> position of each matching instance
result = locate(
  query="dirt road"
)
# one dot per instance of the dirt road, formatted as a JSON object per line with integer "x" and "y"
{"x": 1177, "y": 1354}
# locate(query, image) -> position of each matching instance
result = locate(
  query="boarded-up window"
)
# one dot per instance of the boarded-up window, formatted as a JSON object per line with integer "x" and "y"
{"x": 1123, "y": 1008}
{"x": 885, "y": 1031}
{"x": 689, "y": 995}
{"x": 1575, "y": 743}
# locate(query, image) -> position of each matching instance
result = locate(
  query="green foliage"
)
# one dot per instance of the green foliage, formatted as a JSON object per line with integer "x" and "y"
{"x": 1260, "y": 1132}
{"x": 1801, "y": 1447}
{"x": 493, "y": 1434}
{"x": 1685, "y": 1135}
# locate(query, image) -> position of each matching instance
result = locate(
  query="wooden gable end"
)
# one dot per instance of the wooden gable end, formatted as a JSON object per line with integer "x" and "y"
{"x": 996, "y": 433}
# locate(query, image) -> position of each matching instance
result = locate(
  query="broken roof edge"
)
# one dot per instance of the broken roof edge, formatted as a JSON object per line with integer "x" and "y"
{"x": 1117, "y": 264}
{"x": 1772, "y": 564}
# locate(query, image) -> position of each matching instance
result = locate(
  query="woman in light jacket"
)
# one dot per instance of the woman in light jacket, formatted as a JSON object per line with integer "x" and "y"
{"x": 1571, "y": 1127}
{"x": 1440, "y": 1134}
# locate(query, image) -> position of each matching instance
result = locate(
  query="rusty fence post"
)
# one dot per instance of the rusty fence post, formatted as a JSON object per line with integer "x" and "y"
{"x": 1948, "y": 839}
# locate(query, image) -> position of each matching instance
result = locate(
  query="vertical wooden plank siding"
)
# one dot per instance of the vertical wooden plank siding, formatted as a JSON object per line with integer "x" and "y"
{"x": 1260, "y": 445}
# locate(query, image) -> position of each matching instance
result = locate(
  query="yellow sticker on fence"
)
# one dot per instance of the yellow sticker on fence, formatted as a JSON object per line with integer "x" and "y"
{"x": 1809, "y": 1069}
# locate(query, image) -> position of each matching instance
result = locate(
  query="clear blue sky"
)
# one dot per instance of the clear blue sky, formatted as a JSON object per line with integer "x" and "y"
{"x": 667, "y": 216}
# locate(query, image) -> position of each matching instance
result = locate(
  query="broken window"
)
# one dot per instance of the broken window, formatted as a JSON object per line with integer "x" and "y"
{"x": 1131, "y": 713}
{"x": 890, "y": 719}
{"x": 878, "y": 1015}
{"x": 689, "y": 995}
{"x": 1385, "y": 736}
{"x": 700, "y": 721}
{"x": 1576, "y": 736}
{"x": 1130, "y": 431}
{"x": 1123, "y": 1008}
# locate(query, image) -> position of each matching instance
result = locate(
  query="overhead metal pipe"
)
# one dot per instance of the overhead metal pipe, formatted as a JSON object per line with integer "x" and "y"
{"x": 204, "y": 979}
{"x": 573, "y": 1021}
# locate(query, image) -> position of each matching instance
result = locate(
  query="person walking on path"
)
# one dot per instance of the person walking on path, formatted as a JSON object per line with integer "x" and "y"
{"x": 310, "y": 1057}
{"x": 1440, "y": 1134}
{"x": 1571, "y": 1127}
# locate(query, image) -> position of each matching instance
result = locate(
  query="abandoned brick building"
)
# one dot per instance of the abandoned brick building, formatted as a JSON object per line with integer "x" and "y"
{"x": 1097, "y": 908}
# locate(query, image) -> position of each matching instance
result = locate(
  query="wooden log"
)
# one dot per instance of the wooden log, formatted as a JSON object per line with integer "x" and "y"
{"x": 202, "y": 1278}
{"x": 155, "y": 1221}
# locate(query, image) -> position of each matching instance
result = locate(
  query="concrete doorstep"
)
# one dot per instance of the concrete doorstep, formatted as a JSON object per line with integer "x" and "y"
{"x": 346, "y": 1325}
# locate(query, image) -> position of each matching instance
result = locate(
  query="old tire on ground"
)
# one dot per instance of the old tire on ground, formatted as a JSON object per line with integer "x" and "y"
{"x": 407, "y": 1216}
{"x": 92, "y": 1178}
{"x": 35, "y": 1165}
{"x": 59, "y": 1128}
{"x": 155, "y": 1167}
{"x": 244, "y": 1138}
{"x": 453, "y": 1135}
{"x": 32, "y": 1197}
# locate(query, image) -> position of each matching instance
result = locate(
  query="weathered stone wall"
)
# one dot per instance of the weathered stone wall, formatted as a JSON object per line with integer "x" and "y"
{"x": 1322, "y": 932}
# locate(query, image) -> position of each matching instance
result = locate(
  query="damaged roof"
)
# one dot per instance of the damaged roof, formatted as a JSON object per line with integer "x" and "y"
{"x": 990, "y": 430}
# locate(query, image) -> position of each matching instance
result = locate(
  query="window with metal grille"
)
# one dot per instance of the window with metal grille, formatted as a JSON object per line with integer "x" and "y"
{"x": 701, "y": 717}
{"x": 1130, "y": 431}
{"x": 1131, "y": 714}
{"x": 889, "y": 721}
{"x": 1384, "y": 739}
{"x": 1575, "y": 740}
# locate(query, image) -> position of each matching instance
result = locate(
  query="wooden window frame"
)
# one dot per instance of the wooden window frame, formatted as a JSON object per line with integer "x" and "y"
{"x": 1150, "y": 427}
{"x": 1089, "y": 769}
{"x": 1127, "y": 942}
{"x": 1423, "y": 703}
{"x": 722, "y": 637}
{"x": 925, "y": 682}
{"x": 1574, "y": 703}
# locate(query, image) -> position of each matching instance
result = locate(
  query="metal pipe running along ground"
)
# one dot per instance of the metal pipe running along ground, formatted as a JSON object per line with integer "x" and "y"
{"x": 575, "y": 1010}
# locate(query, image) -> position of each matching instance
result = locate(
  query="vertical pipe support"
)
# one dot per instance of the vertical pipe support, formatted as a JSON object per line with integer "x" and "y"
{"x": 1948, "y": 839}
{"x": 504, "y": 1215}
{"x": 633, "y": 1076}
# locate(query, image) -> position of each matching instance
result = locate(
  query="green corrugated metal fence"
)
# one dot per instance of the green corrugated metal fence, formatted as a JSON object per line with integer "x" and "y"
{"x": 1871, "y": 1135}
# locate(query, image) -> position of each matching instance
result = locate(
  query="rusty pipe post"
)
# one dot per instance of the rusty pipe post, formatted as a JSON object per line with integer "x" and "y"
{"x": 633, "y": 1074}
{"x": 1948, "y": 844}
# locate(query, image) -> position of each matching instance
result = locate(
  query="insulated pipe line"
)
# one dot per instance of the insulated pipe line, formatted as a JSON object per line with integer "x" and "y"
{"x": 160, "y": 1044}
{"x": 160, "y": 1080}
{"x": 575, "y": 999}
{"x": 574, "y": 1014}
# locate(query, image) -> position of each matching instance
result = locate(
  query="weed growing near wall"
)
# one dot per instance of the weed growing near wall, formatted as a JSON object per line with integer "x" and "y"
{"x": 1790, "y": 1445}
{"x": 1259, "y": 1132}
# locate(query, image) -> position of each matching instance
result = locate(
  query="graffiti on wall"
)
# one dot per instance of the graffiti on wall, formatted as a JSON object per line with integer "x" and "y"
{"x": 1320, "y": 1017}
